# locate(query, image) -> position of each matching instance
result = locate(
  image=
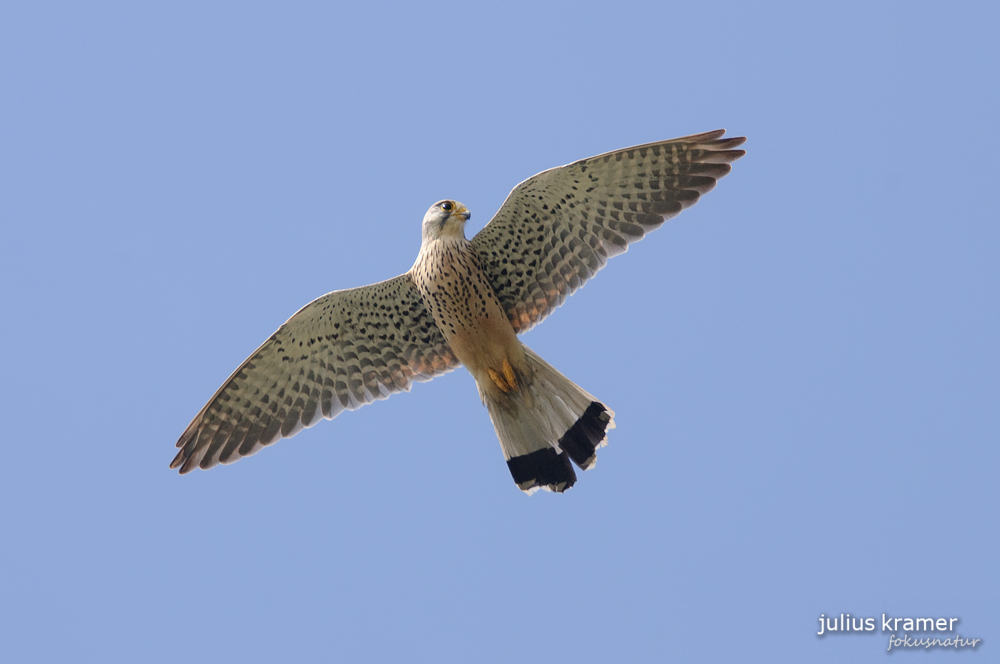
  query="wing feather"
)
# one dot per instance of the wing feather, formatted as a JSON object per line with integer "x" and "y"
{"x": 558, "y": 228}
{"x": 340, "y": 352}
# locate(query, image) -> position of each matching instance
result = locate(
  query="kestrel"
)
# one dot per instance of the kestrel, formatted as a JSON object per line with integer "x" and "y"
{"x": 464, "y": 303}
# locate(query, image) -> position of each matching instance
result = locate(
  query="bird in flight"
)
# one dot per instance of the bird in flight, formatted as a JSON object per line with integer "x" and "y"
{"x": 464, "y": 303}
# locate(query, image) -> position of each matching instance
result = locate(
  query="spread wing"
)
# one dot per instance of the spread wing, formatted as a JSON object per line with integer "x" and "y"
{"x": 558, "y": 228}
{"x": 340, "y": 352}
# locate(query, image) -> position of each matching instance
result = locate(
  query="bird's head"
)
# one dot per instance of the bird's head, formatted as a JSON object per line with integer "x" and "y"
{"x": 445, "y": 219}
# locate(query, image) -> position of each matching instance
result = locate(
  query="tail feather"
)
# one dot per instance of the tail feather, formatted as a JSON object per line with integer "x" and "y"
{"x": 543, "y": 468}
{"x": 545, "y": 424}
{"x": 587, "y": 434}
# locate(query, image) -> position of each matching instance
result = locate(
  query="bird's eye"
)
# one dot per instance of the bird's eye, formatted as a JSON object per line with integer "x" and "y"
{"x": 447, "y": 206}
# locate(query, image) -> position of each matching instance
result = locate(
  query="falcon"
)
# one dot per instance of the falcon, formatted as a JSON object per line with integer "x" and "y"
{"x": 464, "y": 303}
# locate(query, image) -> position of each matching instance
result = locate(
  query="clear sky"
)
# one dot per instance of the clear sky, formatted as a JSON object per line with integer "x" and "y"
{"x": 804, "y": 366}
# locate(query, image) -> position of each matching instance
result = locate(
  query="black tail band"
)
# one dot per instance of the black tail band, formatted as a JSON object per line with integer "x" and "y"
{"x": 582, "y": 439}
{"x": 542, "y": 469}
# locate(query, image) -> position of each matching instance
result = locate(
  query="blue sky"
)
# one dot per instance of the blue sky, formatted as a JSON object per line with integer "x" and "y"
{"x": 804, "y": 366}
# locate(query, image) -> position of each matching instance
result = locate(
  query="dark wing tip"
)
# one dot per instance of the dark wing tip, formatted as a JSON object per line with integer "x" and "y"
{"x": 714, "y": 138}
{"x": 700, "y": 138}
{"x": 719, "y": 150}
{"x": 183, "y": 461}
{"x": 727, "y": 143}
{"x": 187, "y": 445}
{"x": 721, "y": 156}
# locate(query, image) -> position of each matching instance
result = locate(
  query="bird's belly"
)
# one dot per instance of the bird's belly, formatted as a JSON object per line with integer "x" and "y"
{"x": 466, "y": 309}
{"x": 485, "y": 342}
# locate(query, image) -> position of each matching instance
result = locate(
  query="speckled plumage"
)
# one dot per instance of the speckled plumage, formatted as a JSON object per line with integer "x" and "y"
{"x": 464, "y": 303}
{"x": 340, "y": 352}
{"x": 558, "y": 228}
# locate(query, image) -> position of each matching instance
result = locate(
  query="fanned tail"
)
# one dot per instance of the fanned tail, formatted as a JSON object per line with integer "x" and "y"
{"x": 546, "y": 423}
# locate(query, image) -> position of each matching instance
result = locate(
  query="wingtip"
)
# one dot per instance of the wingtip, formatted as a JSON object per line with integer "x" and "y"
{"x": 184, "y": 462}
{"x": 704, "y": 136}
{"x": 724, "y": 143}
{"x": 722, "y": 149}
